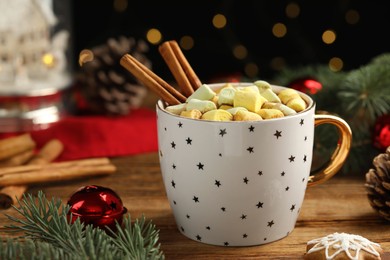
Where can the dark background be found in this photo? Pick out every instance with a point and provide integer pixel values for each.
(249, 23)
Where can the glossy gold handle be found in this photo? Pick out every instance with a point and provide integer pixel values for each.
(341, 151)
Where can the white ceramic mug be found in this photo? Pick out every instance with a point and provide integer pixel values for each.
(242, 183)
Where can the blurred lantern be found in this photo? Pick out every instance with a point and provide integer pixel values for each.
(35, 62)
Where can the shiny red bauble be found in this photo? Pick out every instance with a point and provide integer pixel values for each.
(306, 85)
(381, 133)
(96, 205)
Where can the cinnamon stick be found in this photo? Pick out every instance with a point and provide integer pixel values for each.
(18, 159)
(166, 92)
(61, 171)
(49, 152)
(181, 69)
(14, 145)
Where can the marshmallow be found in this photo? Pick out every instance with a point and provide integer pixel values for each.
(234, 110)
(268, 113)
(204, 92)
(217, 115)
(242, 115)
(291, 98)
(194, 113)
(226, 95)
(249, 99)
(201, 105)
(225, 107)
(285, 109)
(176, 109)
(266, 91)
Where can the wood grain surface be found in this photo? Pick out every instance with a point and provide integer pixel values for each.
(339, 205)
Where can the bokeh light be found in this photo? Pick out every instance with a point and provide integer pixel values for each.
(336, 64)
(279, 30)
(154, 36)
(219, 21)
(329, 36)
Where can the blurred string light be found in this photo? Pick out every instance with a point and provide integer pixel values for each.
(352, 16)
(292, 10)
(48, 60)
(279, 30)
(335, 64)
(120, 5)
(329, 36)
(153, 36)
(219, 21)
(186, 42)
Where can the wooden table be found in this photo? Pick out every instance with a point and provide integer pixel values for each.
(339, 205)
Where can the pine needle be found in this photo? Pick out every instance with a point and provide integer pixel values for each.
(48, 234)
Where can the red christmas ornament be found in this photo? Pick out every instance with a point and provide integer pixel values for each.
(306, 85)
(381, 133)
(96, 205)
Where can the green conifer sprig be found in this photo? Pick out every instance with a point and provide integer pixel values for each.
(48, 234)
(358, 96)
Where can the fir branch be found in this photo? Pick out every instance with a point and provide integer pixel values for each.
(48, 234)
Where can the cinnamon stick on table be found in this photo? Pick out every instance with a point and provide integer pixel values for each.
(181, 69)
(60, 171)
(14, 145)
(165, 91)
(49, 152)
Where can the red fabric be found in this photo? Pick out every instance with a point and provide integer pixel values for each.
(102, 136)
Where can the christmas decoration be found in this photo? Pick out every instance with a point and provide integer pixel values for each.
(96, 205)
(48, 234)
(306, 85)
(107, 87)
(358, 96)
(378, 184)
(381, 134)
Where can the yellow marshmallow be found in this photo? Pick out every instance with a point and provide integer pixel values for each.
(243, 115)
(194, 113)
(217, 115)
(234, 110)
(249, 99)
(285, 109)
(225, 107)
(298, 104)
(268, 113)
(226, 96)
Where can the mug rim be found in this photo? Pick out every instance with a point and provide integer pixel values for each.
(311, 104)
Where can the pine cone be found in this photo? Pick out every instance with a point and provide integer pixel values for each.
(106, 86)
(378, 184)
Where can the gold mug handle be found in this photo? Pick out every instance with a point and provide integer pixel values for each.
(340, 153)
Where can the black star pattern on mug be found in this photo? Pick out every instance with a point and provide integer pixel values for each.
(243, 216)
(196, 199)
(199, 238)
(304, 158)
(302, 122)
(226, 243)
(223, 209)
(250, 149)
(161, 154)
(244, 235)
(217, 183)
(282, 173)
(303, 179)
(174, 166)
(251, 128)
(270, 223)
(220, 154)
(200, 166)
(278, 134)
(182, 229)
(222, 132)
(188, 216)
(189, 141)
(260, 173)
(305, 138)
(208, 228)
(245, 180)
(292, 207)
(291, 158)
(287, 188)
(174, 202)
(259, 204)
(173, 145)
(173, 184)
(180, 124)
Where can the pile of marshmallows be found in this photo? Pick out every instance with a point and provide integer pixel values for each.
(239, 103)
